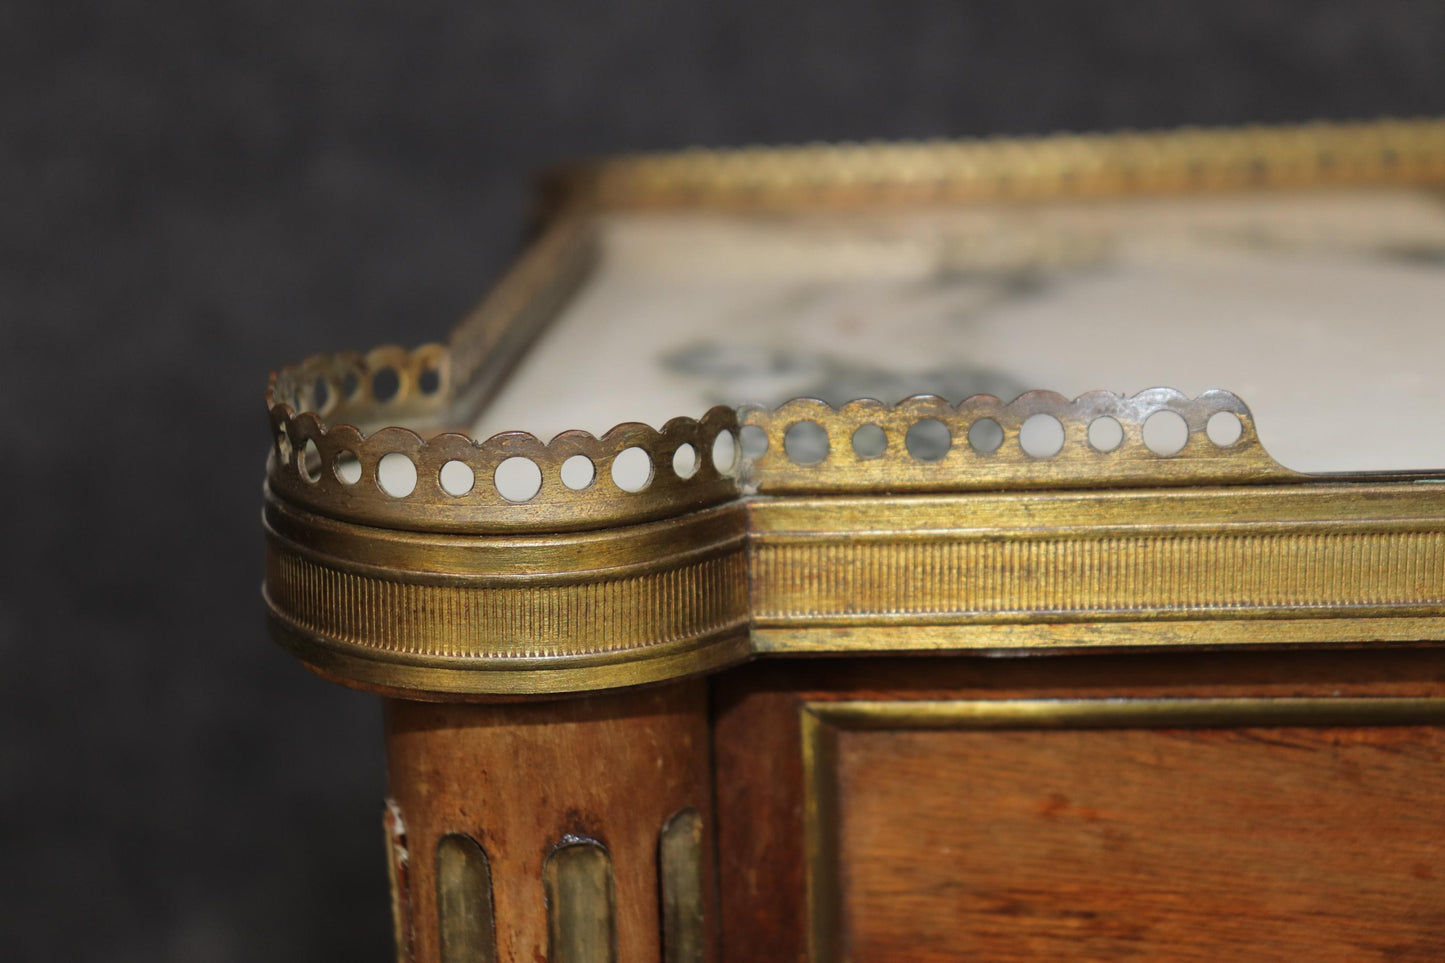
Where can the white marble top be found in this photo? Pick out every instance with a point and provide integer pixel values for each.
(1325, 311)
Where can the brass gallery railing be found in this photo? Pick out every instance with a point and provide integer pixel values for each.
(740, 543)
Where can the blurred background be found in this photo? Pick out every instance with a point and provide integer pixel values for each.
(192, 194)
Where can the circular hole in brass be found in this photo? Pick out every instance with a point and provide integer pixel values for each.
(985, 435)
(684, 461)
(928, 440)
(320, 394)
(347, 468)
(396, 474)
(806, 442)
(309, 462)
(870, 441)
(632, 470)
(724, 452)
(456, 478)
(385, 384)
(517, 479)
(1166, 433)
(1041, 436)
(1105, 434)
(577, 472)
(1224, 428)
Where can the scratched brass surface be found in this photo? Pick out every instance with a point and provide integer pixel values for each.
(439, 595)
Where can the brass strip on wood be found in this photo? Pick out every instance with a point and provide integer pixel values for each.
(581, 904)
(679, 858)
(465, 921)
(820, 820)
(822, 721)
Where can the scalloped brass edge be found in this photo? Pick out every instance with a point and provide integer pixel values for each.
(436, 386)
(967, 465)
(308, 467)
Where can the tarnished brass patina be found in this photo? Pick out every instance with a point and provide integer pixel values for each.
(436, 594)
(398, 562)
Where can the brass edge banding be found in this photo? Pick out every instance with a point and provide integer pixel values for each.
(847, 176)
(458, 680)
(1317, 564)
(1087, 579)
(1183, 713)
(504, 559)
(1040, 637)
(821, 721)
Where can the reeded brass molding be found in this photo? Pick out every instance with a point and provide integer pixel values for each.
(821, 721)
(442, 616)
(435, 616)
(1319, 551)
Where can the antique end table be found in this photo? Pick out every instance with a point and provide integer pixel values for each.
(991, 673)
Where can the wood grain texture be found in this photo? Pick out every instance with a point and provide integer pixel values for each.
(1260, 844)
(924, 797)
(761, 858)
(523, 778)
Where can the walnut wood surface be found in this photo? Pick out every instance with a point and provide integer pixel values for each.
(522, 778)
(1320, 843)
(1278, 844)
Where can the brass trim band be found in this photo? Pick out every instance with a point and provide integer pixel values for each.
(840, 176)
(433, 615)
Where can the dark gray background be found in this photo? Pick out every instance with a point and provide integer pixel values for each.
(195, 192)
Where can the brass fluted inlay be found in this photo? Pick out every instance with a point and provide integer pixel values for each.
(581, 904)
(679, 860)
(466, 926)
(982, 578)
